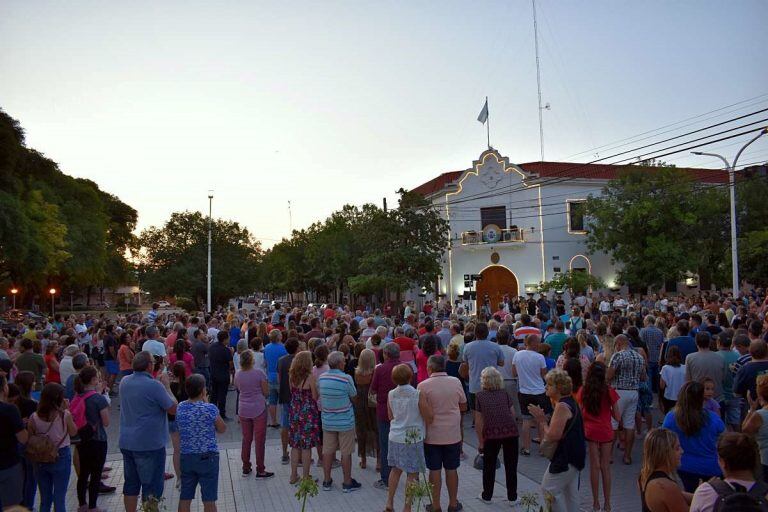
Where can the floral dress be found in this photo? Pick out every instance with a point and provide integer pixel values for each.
(304, 430)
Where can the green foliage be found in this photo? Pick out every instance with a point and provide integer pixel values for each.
(363, 251)
(174, 258)
(307, 488)
(753, 262)
(55, 229)
(572, 281)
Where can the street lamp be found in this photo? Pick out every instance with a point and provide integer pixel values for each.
(52, 291)
(14, 291)
(731, 168)
(210, 212)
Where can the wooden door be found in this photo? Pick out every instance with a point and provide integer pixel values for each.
(497, 281)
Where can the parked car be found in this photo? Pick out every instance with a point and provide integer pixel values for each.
(163, 304)
(264, 303)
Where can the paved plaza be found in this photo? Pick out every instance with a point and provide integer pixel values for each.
(276, 494)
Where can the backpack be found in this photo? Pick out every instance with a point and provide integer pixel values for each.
(736, 498)
(39, 446)
(85, 430)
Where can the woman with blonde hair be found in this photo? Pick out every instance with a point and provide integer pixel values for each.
(659, 490)
(365, 415)
(304, 414)
(609, 348)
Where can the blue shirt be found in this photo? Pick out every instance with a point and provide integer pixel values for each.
(686, 344)
(234, 337)
(143, 419)
(336, 389)
(197, 427)
(273, 352)
(700, 450)
(479, 354)
(69, 387)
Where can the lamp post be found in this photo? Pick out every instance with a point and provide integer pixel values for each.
(53, 301)
(14, 291)
(210, 212)
(71, 301)
(731, 168)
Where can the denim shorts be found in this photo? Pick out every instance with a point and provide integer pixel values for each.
(439, 456)
(143, 471)
(203, 469)
(274, 393)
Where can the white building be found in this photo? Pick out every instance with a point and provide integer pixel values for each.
(518, 225)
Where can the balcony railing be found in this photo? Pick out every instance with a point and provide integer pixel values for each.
(511, 235)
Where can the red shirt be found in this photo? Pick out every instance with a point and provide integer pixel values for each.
(329, 313)
(598, 428)
(405, 343)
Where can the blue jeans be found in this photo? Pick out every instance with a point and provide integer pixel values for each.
(143, 471)
(203, 469)
(30, 484)
(653, 376)
(52, 480)
(384, 449)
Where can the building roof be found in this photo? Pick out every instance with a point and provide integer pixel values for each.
(573, 170)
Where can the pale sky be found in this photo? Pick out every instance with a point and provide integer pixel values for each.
(327, 103)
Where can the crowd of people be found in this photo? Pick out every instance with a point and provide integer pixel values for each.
(577, 380)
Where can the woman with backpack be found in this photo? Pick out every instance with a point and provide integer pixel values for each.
(48, 447)
(739, 489)
(90, 412)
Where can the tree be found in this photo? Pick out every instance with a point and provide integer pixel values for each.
(174, 258)
(650, 221)
(573, 282)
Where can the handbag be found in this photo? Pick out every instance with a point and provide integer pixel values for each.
(548, 448)
(40, 448)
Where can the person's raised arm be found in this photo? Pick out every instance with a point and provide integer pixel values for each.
(553, 431)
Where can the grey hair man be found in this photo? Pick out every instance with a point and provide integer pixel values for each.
(336, 390)
(153, 345)
(625, 371)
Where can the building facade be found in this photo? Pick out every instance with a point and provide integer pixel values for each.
(514, 226)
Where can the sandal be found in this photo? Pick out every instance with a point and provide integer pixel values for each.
(294, 481)
(525, 453)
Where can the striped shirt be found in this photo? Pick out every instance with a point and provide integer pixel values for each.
(522, 332)
(336, 390)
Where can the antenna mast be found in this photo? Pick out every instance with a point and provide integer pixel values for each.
(538, 79)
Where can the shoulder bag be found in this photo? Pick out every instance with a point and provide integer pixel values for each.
(40, 448)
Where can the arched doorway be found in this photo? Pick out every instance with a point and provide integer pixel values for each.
(497, 281)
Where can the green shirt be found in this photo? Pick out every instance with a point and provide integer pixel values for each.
(730, 357)
(31, 362)
(556, 340)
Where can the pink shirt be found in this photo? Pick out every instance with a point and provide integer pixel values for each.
(188, 360)
(252, 400)
(444, 394)
(56, 431)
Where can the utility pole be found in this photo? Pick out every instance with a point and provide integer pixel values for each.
(210, 226)
(385, 205)
(538, 79)
(290, 217)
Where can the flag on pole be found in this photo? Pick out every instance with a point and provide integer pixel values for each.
(483, 117)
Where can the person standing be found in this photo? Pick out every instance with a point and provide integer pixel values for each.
(304, 415)
(530, 367)
(200, 348)
(706, 364)
(198, 423)
(12, 432)
(272, 354)
(92, 449)
(381, 385)
(479, 354)
(653, 339)
(442, 445)
(145, 403)
(220, 356)
(625, 371)
(497, 430)
(336, 390)
(566, 428)
(54, 421)
(284, 396)
(365, 416)
(251, 382)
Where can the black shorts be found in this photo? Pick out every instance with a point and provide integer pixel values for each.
(540, 400)
(439, 456)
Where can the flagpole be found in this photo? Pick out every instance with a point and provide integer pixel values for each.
(488, 124)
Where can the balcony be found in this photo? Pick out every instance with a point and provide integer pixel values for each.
(492, 236)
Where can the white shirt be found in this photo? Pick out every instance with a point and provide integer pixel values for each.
(154, 347)
(528, 364)
(509, 356)
(705, 497)
(605, 306)
(65, 368)
(674, 378)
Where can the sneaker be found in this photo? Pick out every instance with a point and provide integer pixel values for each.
(266, 474)
(480, 497)
(328, 486)
(380, 484)
(106, 489)
(285, 460)
(247, 472)
(354, 485)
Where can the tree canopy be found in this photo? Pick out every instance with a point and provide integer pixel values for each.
(661, 225)
(56, 230)
(362, 251)
(174, 259)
